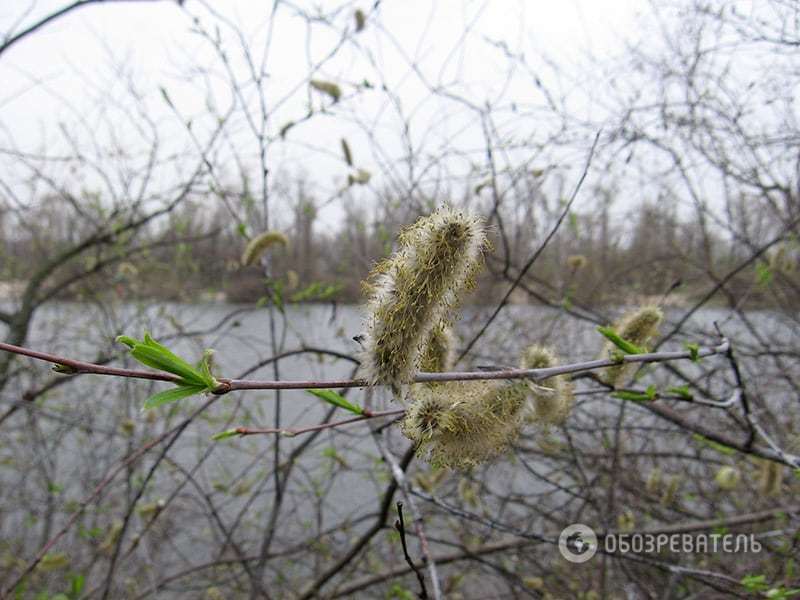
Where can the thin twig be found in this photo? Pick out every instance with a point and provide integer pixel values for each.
(400, 525)
(230, 385)
(536, 254)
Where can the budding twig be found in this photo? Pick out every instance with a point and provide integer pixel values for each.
(231, 385)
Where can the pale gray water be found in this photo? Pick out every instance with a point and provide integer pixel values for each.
(79, 433)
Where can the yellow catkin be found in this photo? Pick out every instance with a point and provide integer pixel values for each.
(727, 478)
(327, 87)
(653, 483)
(534, 583)
(638, 327)
(577, 262)
(53, 561)
(770, 478)
(671, 489)
(415, 290)
(361, 19)
(468, 492)
(626, 521)
(553, 407)
(439, 354)
(258, 245)
(292, 280)
(461, 424)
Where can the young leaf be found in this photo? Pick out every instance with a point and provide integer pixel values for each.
(721, 448)
(152, 354)
(76, 584)
(205, 368)
(173, 394)
(332, 397)
(621, 343)
(157, 359)
(694, 350)
(633, 396)
(223, 435)
(682, 391)
(127, 340)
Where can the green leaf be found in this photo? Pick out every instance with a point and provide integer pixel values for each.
(157, 356)
(633, 396)
(76, 585)
(682, 391)
(621, 343)
(336, 399)
(157, 359)
(763, 274)
(176, 361)
(173, 394)
(694, 351)
(223, 435)
(205, 368)
(721, 448)
(755, 583)
(127, 340)
(651, 392)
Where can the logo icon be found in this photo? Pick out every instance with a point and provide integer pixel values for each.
(577, 543)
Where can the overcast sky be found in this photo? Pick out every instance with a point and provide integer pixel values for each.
(103, 61)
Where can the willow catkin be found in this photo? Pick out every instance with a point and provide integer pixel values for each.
(638, 327)
(553, 401)
(439, 353)
(258, 245)
(671, 489)
(770, 478)
(653, 483)
(727, 478)
(576, 262)
(415, 290)
(461, 424)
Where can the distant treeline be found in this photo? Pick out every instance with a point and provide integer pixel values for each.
(597, 257)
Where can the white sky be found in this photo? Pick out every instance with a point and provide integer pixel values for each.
(69, 77)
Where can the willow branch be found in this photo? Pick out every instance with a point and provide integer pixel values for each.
(76, 367)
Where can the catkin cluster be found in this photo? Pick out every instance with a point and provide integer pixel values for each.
(458, 424)
(461, 424)
(415, 290)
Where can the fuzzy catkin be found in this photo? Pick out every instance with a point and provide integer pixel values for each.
(259, 244)
(770, 478)
(415, 289)
(439, 354)
(639, 328)
(553, 407)
(461, 424)
(653, 483)
(727, 478)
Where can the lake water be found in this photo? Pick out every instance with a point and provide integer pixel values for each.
(52, 456)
